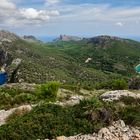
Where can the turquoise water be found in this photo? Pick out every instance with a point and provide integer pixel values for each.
(138, 68)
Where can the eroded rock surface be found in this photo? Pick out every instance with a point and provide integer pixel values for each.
(117, 131)
(117, 94)
(5, 113)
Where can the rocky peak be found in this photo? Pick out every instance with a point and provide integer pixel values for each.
(30, 38)
(6, 36)
(68, 38)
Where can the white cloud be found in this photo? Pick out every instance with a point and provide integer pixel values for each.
(52, 2)
(73, 17)
(11, 15)
(119, 24)
(101, 13)
(6, 4)
(35, 14)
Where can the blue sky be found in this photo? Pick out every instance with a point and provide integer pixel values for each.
(73, 17)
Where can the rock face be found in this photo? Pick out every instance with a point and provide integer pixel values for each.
(5, 58)
(73, 100)
(68, 38)
(7, 61)
(117, 131)
(117, 94)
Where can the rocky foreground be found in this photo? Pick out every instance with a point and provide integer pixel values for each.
(117, 131)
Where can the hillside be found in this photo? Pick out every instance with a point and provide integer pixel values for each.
(109, 54)
(83, 62)
(40, 63)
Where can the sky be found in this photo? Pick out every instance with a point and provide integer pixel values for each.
(71, 17)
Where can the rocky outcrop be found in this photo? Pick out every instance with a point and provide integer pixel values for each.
(6, 36)
(13, 70)
(117, 94)
(117, 131)
(5, 58)
(4, 114)
(73, 100)
(8, 62)
(68, 38)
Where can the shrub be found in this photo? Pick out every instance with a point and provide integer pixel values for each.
(17, 113)
(119, 84)
(11, 90)
(71, 87)
(5, 100)
(24, 98)
(131, 115)
(49, 121)
(127, 100)
(48, 90)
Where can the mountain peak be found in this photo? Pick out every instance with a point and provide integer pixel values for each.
(68, 38)
(7, 36)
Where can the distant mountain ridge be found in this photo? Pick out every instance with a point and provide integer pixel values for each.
(30, 38)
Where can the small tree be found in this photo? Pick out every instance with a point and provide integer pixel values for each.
(49, 90)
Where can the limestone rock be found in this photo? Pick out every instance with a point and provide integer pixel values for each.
(117, 94)
(113, 132)
(5, 113)
(60, 138)
(6, 36)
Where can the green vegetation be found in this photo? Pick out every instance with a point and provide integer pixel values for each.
(111, 67)
(65, 61)
(49, 121)
(17, 113)
(12, 97)
(118, 84)
(48, 91)
(131, 112)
